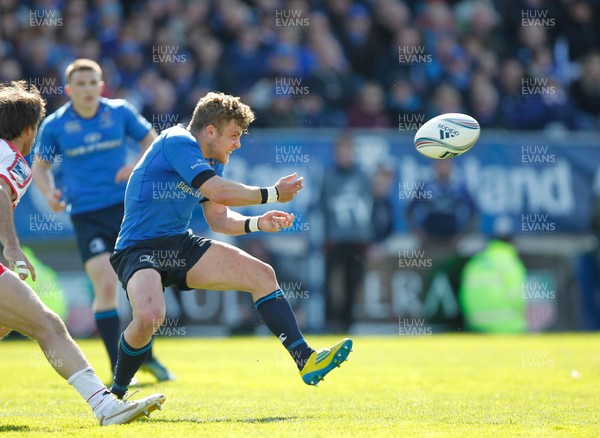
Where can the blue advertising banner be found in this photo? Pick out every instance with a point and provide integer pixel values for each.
(544, 183)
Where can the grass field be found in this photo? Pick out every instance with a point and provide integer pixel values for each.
(442, 385)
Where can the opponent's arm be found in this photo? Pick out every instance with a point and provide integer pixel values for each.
(234, 194)
(8, 235)
(225, 221)
(44, 180)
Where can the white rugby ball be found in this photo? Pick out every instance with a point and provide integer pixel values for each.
(447, 136)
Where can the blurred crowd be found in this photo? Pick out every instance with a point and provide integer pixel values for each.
(519, 64)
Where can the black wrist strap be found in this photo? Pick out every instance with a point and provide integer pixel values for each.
(264, 193)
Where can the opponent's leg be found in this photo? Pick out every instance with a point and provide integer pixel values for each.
(104, 281)
(225, 267)
(148, 308)
(22, 310)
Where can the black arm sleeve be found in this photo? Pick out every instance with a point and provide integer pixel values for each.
(202, 177)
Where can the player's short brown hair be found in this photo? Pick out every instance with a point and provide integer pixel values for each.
(218, 109)
(21, 106)
(82, 64)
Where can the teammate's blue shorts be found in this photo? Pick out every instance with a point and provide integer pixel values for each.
(96, 231)
(171, 256)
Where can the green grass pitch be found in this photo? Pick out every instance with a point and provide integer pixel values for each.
(440, 385)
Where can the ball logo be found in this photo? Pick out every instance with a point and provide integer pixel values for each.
(447, 132)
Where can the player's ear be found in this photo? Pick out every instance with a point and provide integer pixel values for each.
(68, 89)
(101, 84)
(210, 130)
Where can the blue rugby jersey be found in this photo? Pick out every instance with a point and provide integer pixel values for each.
(91, 151)
(160, 198)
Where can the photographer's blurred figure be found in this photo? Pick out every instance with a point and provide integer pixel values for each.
(347, 204)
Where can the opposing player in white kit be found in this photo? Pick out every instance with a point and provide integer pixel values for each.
(21, 111)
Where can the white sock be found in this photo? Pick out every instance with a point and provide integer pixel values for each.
(89, 386)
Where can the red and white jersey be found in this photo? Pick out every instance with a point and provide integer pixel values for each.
(15, 170)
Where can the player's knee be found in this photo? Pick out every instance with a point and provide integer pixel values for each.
(266, 272)
(105, 290)
(150, 319)
(265, 276)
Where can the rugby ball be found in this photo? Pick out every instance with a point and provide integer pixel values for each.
(447, 136)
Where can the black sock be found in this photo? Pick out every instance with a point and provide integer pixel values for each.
(278, 315)
(150, 356)
(130, 360)
(108, 322)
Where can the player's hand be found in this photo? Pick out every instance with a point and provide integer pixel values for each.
(54, 201)
(288, 187)
(273, 221)
(15, 257)
(124, 172)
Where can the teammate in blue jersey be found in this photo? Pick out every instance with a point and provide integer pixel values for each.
(154, 250)
(87, 138)
(21, 111)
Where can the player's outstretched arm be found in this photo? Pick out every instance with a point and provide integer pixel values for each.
(44, 180)
(234, 194)
(225, 221)
(8, 235)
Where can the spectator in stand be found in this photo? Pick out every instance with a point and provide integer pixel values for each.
(445, 99)
(586, 90)
(347, 42)
(282, 112)
(484, 102)
(361, 41)
(249, 55)
(332, 77)
(369, 108)
(519, 111)
(403, 100)
(581, 27)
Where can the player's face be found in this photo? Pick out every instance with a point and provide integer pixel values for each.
(84, 89)
(221, 145)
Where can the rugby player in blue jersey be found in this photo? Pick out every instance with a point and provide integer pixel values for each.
(87, 138)
(155, 249)
(21, 111)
